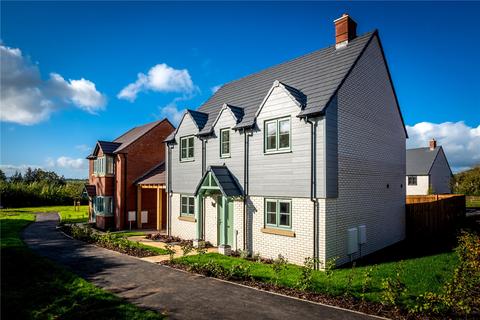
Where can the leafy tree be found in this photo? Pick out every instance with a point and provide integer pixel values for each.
(467, 182)
(3, 177)
(16, 177)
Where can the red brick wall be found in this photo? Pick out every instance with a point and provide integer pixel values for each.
(142, 155)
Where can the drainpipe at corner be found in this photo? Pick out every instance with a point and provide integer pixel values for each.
(313, 183)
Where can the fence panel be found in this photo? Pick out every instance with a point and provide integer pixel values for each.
(433, 217)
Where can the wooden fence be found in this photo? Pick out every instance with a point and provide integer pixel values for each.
(433, 217)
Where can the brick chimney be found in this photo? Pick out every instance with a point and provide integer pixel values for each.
(345, 30)
(433, 144)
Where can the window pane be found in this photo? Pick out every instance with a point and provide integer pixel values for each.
(183, 143)
(271, 135)
(272, 218)
(191, 201)
(184, 201)
(190, 152)
(225, 147)
(183, 153)
(284, 133)
(271, 143)
(284, 207)
(284, 220)
(271, 128)
(272, 206)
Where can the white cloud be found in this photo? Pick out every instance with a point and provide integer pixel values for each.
(215, 88)
(83, 147)
(460, 142)
(67, 162)
(10, 169)
(160, 78)
(27, 99)
(172, 112)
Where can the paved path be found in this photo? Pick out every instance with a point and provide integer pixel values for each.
(181, 295)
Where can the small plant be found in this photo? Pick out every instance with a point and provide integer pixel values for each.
(256, 257)
(171, 250)
(239, 272)
(279, 264)
(201, 249)
(367, 282)
(306, 277)
(243, 254)
(350, 279)
(187, 247)
(394, 288)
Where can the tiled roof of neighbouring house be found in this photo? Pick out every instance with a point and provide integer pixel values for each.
(155, 175)
(419, 161)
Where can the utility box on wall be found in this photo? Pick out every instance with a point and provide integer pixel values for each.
(362, 234)
(352, 238)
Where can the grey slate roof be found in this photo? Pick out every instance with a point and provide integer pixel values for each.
(155, 175)
(108, 147)
(419, 161)
(227, 183)
(316, 75)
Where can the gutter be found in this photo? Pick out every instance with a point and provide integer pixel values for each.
(313, 184)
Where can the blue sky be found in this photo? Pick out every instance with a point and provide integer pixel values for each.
(432, 51)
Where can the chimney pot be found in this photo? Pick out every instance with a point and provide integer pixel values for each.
(345, 30)
(433, 144)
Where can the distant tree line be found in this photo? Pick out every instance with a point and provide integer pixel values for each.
(467, 182)
(37, 187)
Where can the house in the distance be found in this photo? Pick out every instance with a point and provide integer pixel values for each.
(303, 159)
(126, 179)
(428, 171)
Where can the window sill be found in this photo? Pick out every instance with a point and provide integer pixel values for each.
(187, 160)
(280, 232)
(225, 156)
(277, 152)
(185, 218)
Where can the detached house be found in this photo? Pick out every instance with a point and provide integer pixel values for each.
(127, 179)
(303, 159)
(428, 170)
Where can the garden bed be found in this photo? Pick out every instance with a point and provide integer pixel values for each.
(112, 241)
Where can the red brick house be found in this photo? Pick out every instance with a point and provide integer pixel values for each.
(126, 179)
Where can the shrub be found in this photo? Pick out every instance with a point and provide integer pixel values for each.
(239, 272)
(394, 288)
(187, 247)
(279, 264)
(171, 250)
(306, 277)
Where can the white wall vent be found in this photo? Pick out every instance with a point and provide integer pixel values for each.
(144, 216)
(131, 215)
(352, 239)
(362, 234)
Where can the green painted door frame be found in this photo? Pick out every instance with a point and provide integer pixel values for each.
(225, 221)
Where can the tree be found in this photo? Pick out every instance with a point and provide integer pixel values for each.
(467, 182)
(3, 177)
(16, 177)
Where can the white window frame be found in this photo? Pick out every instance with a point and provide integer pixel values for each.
(189, 206)
(222, 154)
(415, 178)
(277, 148)
(277, 202)
(187, 146)
(102, 166)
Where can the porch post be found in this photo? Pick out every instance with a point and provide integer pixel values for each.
(224, 248)
(139, 207)
(159, 208)
(198, 217)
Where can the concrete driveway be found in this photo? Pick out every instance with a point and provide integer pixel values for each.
(181, 295)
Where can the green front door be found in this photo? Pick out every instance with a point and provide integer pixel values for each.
(225, 221)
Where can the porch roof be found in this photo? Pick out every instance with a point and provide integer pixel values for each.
(91, 190)
(155, 175)
(227, 183)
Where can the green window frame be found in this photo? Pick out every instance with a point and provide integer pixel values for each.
(277, 135)
(225, 143)
(187, 205)
(103, 205)
(187, 148)
(278, 213)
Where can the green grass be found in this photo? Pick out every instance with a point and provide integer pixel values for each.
(473, 202)
(35, 288)
(423, 274)
(67, 213)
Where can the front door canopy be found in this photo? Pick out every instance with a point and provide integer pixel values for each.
(220, 178)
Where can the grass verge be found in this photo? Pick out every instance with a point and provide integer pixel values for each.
(34, 288)
(68, 214)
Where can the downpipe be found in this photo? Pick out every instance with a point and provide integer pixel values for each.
(313, 186)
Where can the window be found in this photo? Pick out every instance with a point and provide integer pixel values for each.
(103, 205)
(277, 135)
(225, 143)
(187, 206)
(412, 180)
(278, 213)
(186, 148)
(103, 165)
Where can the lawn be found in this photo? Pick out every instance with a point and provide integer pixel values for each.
(473, 202)
(68, 214)
(422, 274)
(34, 288)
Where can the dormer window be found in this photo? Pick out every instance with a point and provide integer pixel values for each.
(277, 135)
(225, 143)
(187, 148)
